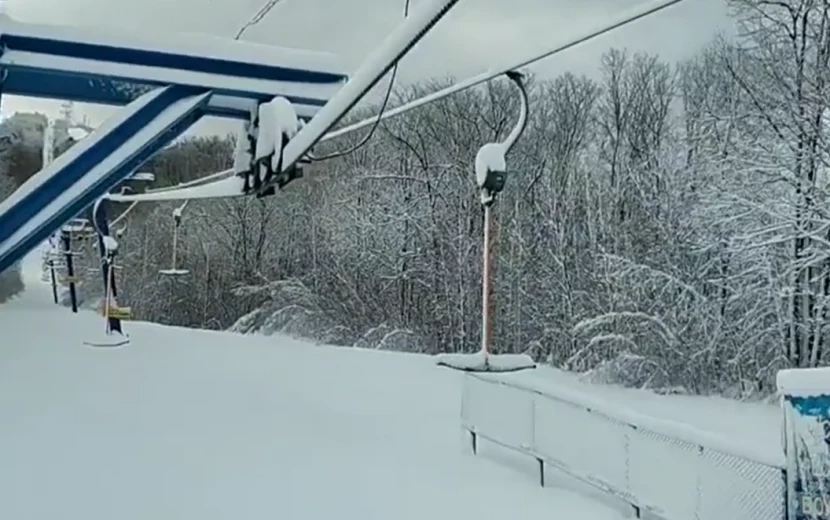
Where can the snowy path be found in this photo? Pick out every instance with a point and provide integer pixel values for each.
(190, 424)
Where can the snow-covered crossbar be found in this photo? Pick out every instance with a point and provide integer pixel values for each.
(657, 466)
(94, 65)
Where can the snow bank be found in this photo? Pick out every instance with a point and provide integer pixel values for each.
(617, 411)
(804, 382)
(385, 337)
(759, 425)
(626, 453)
(290, 308)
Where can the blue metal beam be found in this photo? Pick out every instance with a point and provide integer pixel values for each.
(120, 91)
(72, 166)
(111, 155)
(170, 59)
(87, 65)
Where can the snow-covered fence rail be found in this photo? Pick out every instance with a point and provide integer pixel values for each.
(657, 466)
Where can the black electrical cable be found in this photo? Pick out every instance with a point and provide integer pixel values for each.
(264, 10)
(380, 113)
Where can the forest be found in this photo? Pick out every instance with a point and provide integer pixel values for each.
(665, 225)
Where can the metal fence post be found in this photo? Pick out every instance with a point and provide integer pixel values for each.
(634, 508)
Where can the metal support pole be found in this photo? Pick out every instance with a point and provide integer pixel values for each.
(101, 224)
(486, 318)
(54, 281)
(70, 269)
(175, 242)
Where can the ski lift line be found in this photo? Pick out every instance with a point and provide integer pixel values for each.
(317, 129)
(405, 36)
(637, 13)
(491, 175)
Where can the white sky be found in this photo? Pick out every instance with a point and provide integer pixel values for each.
(473, 36)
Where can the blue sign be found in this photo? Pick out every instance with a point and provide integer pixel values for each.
(808, 456)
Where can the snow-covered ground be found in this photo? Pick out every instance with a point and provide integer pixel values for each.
(186, 424)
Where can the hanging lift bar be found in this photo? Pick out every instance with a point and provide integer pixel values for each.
(174, 270)
(491, 176)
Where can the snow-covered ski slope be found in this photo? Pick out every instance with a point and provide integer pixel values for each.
(186, 424)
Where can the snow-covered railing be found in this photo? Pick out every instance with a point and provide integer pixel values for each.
(657, 466)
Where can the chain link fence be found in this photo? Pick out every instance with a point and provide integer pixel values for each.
(657, 468)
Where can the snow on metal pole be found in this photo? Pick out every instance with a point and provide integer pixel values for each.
(562, 44)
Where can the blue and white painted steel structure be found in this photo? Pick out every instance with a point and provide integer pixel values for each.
(90, 169)
(165, 85)
(95, 66)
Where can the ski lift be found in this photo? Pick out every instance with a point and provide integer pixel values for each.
(491, 173)
(177, 221)
(109, 308)
(113, 336)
